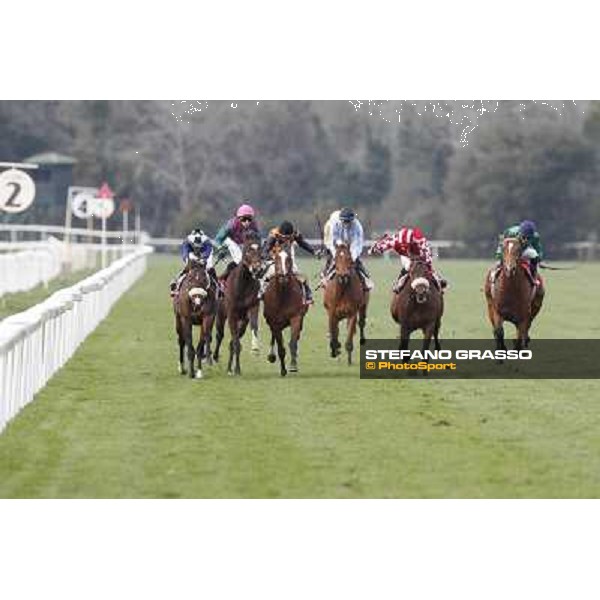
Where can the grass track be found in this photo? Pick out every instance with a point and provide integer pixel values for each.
(118, 421)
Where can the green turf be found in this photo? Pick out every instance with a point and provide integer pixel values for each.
(118, 421)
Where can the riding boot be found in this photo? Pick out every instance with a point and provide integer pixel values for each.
(439, 281)
(533, 266)
(399, 283)
(328, 271)
(367, 282)
(175, 283)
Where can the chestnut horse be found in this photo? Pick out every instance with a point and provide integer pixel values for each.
(511, 295)
(418, 305)
(345, 298)
(284, 306)
(195, 304)
(238, 301)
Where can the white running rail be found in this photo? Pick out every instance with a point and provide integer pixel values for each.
(24, 265)
(23, 270)
(36, 343)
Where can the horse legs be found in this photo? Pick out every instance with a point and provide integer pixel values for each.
(271, 356)
(220, 327)
(362, 319)
(436, 333)
(295, 330)
(498, 326)
(281, 351)
(234, 344)
(181, 343)
(351, 329)
(253, 314)
(237, 328)
(189, 342)
(404, 337)
(522, 340)
(207, 328)
(334, 343)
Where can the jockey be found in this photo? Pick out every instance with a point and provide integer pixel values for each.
(196, 245)
(410, 244)
(343, 226)
(232, 234)
(532, 247)
(286, 232)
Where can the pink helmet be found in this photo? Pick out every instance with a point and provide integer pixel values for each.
(245, 210)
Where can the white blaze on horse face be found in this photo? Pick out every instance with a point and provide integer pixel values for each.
(283, 256)
(509, 247)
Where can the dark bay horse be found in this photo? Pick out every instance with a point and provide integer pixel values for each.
(284, 306)
(512, 295)
(418, 305)
(345, 298)
(239, 300)
(195, 304)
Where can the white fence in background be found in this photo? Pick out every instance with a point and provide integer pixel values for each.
(36, 343)
(24, 265)
(23, 270)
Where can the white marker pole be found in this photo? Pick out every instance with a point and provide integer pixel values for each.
(103, 239)
(67, 235)
(125, 226)
(138, 225)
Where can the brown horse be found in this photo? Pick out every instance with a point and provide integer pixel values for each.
(345, 298)
(418, 305)
(238, 301)
(195, 304)
(284, 306)
(512, 295)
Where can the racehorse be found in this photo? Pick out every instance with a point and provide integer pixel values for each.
(512, 295)
(284, 306)
(240, 297)
(345, 298)
(418, 305)
(195, 304)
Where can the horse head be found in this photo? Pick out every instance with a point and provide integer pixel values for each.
(251, 256)
(343, 263)
(511, 253)
(282, 257)
(197, 283)
(419, 281)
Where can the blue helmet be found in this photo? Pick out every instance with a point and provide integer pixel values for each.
(527, 228)
(347, 215)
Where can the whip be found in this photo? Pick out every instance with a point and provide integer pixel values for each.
(543, 266)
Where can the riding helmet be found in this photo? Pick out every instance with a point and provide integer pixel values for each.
(417, 234)
(527, 228)
(245, 210)
(286, 228)
(347, 215)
